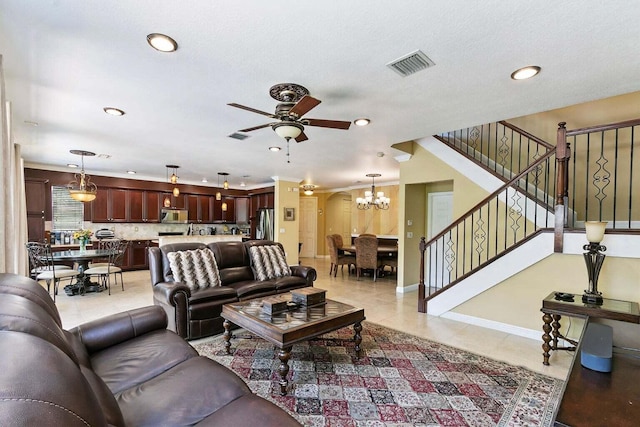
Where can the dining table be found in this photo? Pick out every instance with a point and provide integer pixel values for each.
(82, 258)
(384, 251)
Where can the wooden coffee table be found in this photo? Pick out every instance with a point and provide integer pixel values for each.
(295, 325)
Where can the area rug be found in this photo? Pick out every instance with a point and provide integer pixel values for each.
(399, 380)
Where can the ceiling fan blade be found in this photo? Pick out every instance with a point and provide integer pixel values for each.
(335, 124)
(301, 137)
(306, 104)
(253, 110)
(255, 127)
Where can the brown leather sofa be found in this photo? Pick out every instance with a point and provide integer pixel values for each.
(196, 314)
(122, 370)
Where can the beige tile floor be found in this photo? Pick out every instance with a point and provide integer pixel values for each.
(382, 306)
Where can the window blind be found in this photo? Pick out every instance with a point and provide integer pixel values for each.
(68, 214)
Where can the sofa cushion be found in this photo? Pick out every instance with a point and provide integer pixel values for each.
(199, 387)
(196, 268)
(269, 262)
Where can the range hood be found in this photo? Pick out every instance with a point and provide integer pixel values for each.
(174, 216)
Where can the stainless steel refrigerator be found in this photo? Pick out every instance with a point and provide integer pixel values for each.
(264, 228)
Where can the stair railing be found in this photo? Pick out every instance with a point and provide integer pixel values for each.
(493, 227)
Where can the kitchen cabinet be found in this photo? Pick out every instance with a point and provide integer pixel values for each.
(136, 256)
(144, 206)
(228, 216)
(110, 205)
(200, 208)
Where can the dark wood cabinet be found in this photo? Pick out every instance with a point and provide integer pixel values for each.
(110, 205)
(200, 208)
(225, 217)
(151, 207)
(36, 196)
(136, 256)
(136, 205)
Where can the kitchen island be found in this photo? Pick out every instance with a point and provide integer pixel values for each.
(206, 238)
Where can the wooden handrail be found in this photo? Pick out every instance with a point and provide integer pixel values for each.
(527, 134)
(599, 128)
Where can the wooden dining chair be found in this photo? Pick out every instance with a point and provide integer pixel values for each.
(337, 259)
(43, 268)
(367, 255)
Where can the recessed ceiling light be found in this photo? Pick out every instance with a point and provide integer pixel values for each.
(361, 122)
(113, 111)
(162, 43)
(242, 184)
(72, 165)
(274, 148)
(131, 172)
(525, 72)
(204, 180)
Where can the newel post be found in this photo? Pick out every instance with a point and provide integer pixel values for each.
(422, 303)
(562, 186)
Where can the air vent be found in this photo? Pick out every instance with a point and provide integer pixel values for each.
(239, 136)
(411, 63)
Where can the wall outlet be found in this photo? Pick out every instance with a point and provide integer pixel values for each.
(409, 234)
(135, 228)
(354, 230)
(282, 231)
(409, 222)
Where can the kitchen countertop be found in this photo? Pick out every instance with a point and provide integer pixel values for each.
(206, 238)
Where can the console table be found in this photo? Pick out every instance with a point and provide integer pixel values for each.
(554, 309)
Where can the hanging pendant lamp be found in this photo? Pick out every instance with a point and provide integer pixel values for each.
(81, 188)
(173, 179)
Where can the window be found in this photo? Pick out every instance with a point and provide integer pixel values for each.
(68, 214)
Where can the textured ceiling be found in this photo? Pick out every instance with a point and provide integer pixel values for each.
(65, 60)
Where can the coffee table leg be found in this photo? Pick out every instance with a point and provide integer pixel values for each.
(227, 335)
(546, 338)
(357, 338)
(284, 355)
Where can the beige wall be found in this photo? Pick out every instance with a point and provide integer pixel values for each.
(517, 300)
(376, 221)
(286, 232)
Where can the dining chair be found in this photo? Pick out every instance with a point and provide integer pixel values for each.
(43, 268)
(117, 249)
(367, 255)
(339, 243)
(338, 259)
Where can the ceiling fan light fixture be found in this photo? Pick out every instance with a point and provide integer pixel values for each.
(525, 72)
(288, 130)
(361, 122)
(162, 42)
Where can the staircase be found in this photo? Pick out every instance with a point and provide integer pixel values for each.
(546, 191)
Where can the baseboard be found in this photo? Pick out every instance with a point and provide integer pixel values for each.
(406, 289)
(497, 326)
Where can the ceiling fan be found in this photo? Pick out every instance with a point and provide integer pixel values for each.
(295, 102)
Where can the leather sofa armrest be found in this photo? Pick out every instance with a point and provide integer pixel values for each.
(307, 272)
(111, 330)
(166, 292)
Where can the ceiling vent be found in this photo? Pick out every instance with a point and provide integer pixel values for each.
(411, 63)
(239, 136)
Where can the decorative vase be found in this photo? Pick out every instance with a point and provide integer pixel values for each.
(83, 245)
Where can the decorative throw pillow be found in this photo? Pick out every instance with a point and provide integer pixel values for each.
(196, 268)
(269, 262)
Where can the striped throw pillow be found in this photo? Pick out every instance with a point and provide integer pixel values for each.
(269, 262)
(196, 268)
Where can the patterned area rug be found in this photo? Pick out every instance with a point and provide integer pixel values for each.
(399, 380)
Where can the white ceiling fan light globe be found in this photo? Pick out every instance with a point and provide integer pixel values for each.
(288, 130)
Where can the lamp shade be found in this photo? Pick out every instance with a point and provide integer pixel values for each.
(595, 231)
(288, 130)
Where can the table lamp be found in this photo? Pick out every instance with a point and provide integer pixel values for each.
(594, 259)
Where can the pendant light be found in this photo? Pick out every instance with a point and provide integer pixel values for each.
(373, 199)
(225, 185)
(173, 179)
(81, 188)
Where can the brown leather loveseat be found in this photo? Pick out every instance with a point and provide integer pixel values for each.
(122, 370)
(196, 314)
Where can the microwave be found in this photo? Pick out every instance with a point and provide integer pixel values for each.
(174, 216)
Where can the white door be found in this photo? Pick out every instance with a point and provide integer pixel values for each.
(308, 226)
(439, 215)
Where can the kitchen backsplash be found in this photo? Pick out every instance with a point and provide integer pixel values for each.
(151, 231)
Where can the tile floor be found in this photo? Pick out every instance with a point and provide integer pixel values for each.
(381, 303)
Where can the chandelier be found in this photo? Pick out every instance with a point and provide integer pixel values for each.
(379, 202)
(173, 179)
(81, 188)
